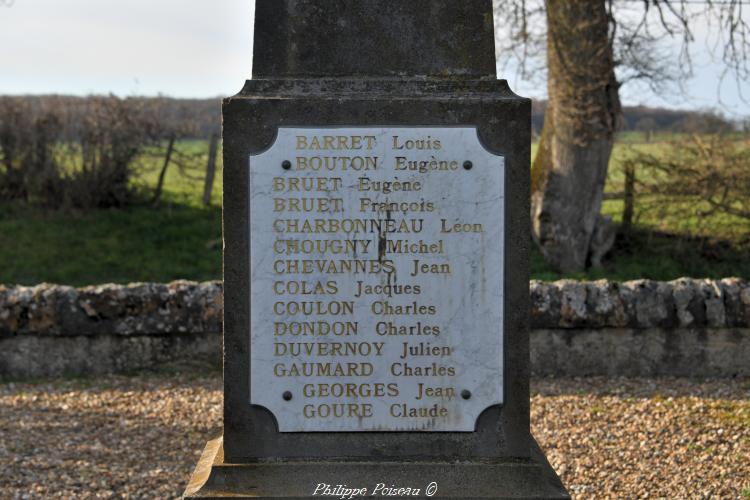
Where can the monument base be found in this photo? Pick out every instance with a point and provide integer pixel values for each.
(213, 478)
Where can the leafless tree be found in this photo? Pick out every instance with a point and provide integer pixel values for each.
(589, 49)
(80, 153)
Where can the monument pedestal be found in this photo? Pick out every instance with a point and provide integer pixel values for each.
(522, 478)
(376, 261)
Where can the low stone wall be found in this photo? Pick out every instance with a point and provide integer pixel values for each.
(51, 330)
(684, 327)
(638, 328)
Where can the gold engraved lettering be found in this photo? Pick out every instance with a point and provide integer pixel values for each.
(297, 349)
(420, 268)
(425, 166)
(307, 205)
(306, 184)
(331, 163)
(402, 410)
(387, 187)
(306, 266)
(349, 390)
(388, 290)
(383, 307)
(433, 370)
(388, 328)
(405, 207)
(332, 308)
(338, 410)
(323, 369)
(420, 144)
(321, 247)
(305, 288)
(316, 328)
(337, 142)
(348, 226)
(445, 227)
(424, 391)
(425, 349)
(412, 247)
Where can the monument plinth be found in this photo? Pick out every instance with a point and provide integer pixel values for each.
(376, 246)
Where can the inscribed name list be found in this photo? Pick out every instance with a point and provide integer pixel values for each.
(376, 279)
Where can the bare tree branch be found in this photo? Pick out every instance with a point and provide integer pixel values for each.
(643, 34)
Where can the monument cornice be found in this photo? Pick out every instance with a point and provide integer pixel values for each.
(396, 88)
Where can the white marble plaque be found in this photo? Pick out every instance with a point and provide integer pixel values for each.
(376, 261)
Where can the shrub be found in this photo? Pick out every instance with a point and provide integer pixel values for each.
(107, 139)
(77, 154)
(698, 179)
(28, 166)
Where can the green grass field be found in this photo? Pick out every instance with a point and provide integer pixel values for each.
(181, 239)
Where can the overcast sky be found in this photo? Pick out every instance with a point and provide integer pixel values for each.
(191, 48)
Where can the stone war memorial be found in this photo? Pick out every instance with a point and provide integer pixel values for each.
(376, 261)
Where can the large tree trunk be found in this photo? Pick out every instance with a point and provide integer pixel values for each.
(570, 167)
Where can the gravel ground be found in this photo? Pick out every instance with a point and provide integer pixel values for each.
(140, 436)
(646, 438)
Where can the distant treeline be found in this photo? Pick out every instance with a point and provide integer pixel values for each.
(646, 119)
(61, 151)
(200, 118)
(191, 118)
